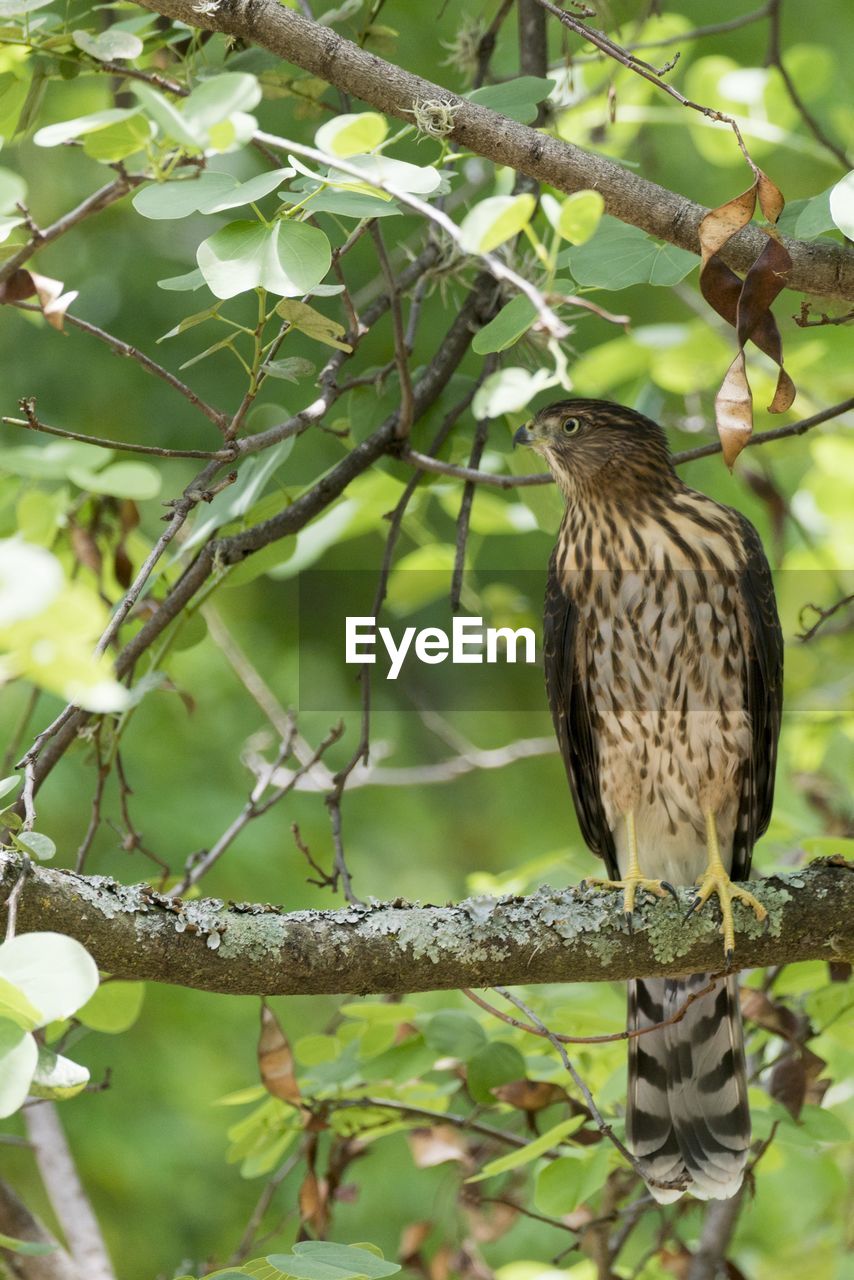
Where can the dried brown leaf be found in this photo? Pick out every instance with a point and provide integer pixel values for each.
(720, 224)
(436, 1145)
(530, 1095)
(758, 1007)
(85, 548)
(788, 1083)
(275, 1060)
(734, 410)
(771, 200)
(412, 1238)
(314, 1203)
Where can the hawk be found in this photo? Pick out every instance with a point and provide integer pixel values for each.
(663, 657)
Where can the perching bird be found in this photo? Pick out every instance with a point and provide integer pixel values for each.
(664, 657)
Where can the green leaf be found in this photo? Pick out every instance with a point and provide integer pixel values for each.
(619, 256)
(54, 135)
(15, 1007)
(312, 1051)
(7, 226)
(513, 320)
(350, 135)
(218, 98)
(517, 99)
(452, 1033)
(57, 1077)
(137, 480)
(345, 204)
(13, 8)
(495, 220)
(288, 259)
(118, 141)
(509, 391)
(579, 216)
(37, 845)
(186, 283)
(18, 1057)
(52, 461)
(413, 178)
(532, 1151)
(169, 120)
(248, 192)
(842, 205)
(566, 1183)
(113, 1008)
(313, 324)
(495, 1064)
(55, 974)
(30, 1248)
(13, 190)
(108, 45)
(182, 196)
(289, 369)
(8, 785)
(323, 1260)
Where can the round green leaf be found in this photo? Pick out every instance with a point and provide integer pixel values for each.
(513, 320)
(18, 1057)
(108, 45)
(54, 135)
(13, 8)
(495, 220)
(30, 580)
(7, 785)
(219, 97)
(183, 196)
(15, 1007)
(580, 215)
(495, 1064)
(136, 480)
(566, 1183)
(288, 259)
(120, 140)
(13, 189)
(454, 1034)
(352, 134)
(842, 205)
(57, 1077)
(113, 1008)
(399, 174)
(618, 256)
(56, 974)
(36, 844)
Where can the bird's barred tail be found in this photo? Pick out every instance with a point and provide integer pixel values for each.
(688, 1121)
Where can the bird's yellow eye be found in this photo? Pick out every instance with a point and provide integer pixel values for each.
(571, 425)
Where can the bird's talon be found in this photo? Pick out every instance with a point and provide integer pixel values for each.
(665, 884)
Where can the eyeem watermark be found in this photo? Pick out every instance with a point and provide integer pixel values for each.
(469, 641)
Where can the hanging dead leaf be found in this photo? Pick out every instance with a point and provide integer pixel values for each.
(54, 303)
(788, 1083)
(314, 1203)
(84, 548)
(746, 305)
(275, 1060)
(530, 1095)
(412, 1238)
(487, 1223)
(758, 1007)
(436, 1145)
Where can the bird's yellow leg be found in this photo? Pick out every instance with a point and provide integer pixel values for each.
(715, 879)
(633, 879)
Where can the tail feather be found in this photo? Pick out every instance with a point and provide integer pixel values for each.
(688, 1120)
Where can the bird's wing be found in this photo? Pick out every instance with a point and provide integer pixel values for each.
(568, 700)
(764, 696)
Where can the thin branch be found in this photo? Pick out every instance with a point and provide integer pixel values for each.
(607, 1039)
(820, 268)
(823, 615)
(719, 1224)
(464, 517)
(775, 59)
(17, 1221)
(401, 350)
(126, 349)
(32, 423)
(567, 935)
(66, 1193)
(612, 50)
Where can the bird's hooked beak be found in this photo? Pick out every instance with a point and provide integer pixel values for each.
(524, 435)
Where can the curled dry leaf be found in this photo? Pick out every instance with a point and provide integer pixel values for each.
(314, 1203)
(746, 305)
(412, 1239)
(275, 1060)
(54, 303)
(436, 1145)
(758, 1007)
(530, 1095)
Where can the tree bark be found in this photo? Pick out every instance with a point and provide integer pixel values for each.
(818, 267)
(567, 935)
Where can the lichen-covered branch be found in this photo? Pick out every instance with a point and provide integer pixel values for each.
(817, 267)
(567, 935)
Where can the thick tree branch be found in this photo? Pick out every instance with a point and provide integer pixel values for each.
(570, 935)
(817, 267)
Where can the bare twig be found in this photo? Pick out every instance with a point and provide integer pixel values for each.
(775, 59)
(823, 615)
(66, 1193)
(401, 350)
(33, 423)
(464, 517)
(605, 1039)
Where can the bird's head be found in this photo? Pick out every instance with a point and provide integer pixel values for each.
(590, 443)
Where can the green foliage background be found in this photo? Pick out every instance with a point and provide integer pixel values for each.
(151, 1147)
